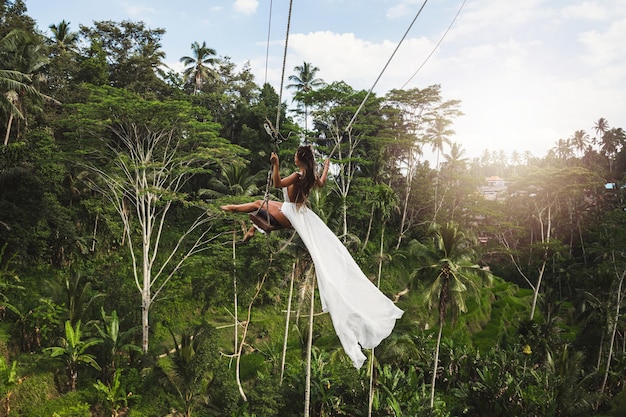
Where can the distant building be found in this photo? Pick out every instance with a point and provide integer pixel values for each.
(494, 188)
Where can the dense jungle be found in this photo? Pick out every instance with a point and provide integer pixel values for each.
(126, 291)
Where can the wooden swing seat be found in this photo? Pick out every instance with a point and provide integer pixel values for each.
(264, 221)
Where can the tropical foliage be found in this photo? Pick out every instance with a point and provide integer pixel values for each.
(125, 290)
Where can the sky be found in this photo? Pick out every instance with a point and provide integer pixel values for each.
(526, 72)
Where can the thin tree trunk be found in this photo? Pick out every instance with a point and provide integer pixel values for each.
(282, 364)
(147, 283)
(237, 347)
(380, 271)
(344, 208)
(370, 402)
(545, 238)
(369, 228)
(307, 388)
(245, 332)
(432, 384)
(235, 336)
(600, 352)
(6, 137)
(618, 302)
(436, 208)
(95, 229)
(537, 286)
(407, 194)
(145, 308)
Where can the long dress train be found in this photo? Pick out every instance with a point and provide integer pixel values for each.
(362, 315)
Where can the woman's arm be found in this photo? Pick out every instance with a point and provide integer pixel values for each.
(322, 178)
(278, 181)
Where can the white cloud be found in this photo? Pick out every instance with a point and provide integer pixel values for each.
(585, 10)
(246, 7)
(138, 12)
(397, 11)
(343, 56)
(604, 48)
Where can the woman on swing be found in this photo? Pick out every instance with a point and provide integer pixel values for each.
(296, 188)
(362, 315)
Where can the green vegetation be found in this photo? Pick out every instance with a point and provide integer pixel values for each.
(125, 290)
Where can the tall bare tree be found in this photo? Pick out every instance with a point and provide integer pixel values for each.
(146, 185)
(151, 153)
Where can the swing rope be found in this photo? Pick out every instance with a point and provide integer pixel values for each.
(436, 46)
(274, 132)
(349, 127)
(267, 47)
(282, 77)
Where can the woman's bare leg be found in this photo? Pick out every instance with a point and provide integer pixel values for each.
(243, 208)
(274, 208)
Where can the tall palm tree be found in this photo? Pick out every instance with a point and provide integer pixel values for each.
(580, 140)
(601, 127)
(438, 136)
(63, 38)
(13, 81)
(447, 259)
(20, 59)
(454, 159)
(199, 67)
(563, 149)
(304, 81)
(613, 141)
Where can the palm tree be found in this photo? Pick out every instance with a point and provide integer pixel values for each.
(13, 81)
(454, 160)
(528, 156)
(199, 66)
(64, 40)
(19, 60)
(601, 127)
(579, 140)
(304, 81)
(234, 180)
(612, 142)
(115, 341)
(562, 149)
(187, 369)
(447, 259)
(438, 135)
(516, 158)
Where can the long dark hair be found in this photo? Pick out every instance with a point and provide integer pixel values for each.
(307, 180)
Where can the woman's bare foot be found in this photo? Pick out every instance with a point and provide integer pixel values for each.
(249, 234)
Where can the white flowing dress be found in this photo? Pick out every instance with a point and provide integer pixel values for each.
(361, 314)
